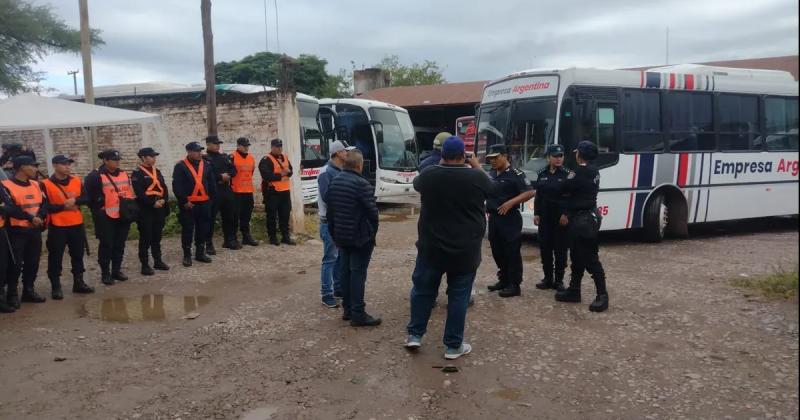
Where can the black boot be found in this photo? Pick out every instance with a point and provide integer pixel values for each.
(510, 291)
(159, 264)
(187, 257)
(248, 240)
(599, 304)
(30, 296)
(12, 298)
(558, 282)
(570, 295)
(274, 241)
(287, 239)
(365, 320)
(106, 278)
(200, 255)
(79, 286)
(55, 289)
(232, 244)
(210, 250)
(5, 308)
(546, 283)
(147, 270)
(497, 286)
(118, 275)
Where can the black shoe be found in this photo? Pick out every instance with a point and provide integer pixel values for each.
(187, 260)
(248, 240)
(338, 295)
(569, 295)
(288, 241)
(210, 250)
(12, 300)
(160, 265)
(57, 293)
(274, 241)
(346, 316)
(6, 308)
(202, 257)
(147, 270)
(545, 284)
(497, 286)
(232, 245)
(31, 296)
(600, 303)
(365, 321)
(119, 276)
(107, 279)
(510, 291)
(78, 286)
(558, 285)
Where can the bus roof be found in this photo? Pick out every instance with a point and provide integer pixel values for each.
(364, 103)
(307, 98)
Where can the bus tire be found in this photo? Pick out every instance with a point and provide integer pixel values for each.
(655, 219)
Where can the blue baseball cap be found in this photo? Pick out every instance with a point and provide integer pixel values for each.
(587, 150)
(453, 146)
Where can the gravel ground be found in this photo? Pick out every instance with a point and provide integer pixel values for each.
(246, 337)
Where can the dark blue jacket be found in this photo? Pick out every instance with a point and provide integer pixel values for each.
(352, 212)
(433, 159)
(183, 182)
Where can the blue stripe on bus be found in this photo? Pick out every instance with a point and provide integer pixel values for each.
(646, 164)
(699, 192)
(637, 210)
(653, 80)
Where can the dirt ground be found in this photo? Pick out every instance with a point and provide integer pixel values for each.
(679, 341)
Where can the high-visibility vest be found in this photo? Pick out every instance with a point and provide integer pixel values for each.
(57, 195)
(155, 188)
(283, 184)
(28, 198)
(245, 166)
(111, 205)
(199, 194)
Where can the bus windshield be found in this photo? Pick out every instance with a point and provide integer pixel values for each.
(313, 146)
(398, 149)
(492, 123)
(532, 128)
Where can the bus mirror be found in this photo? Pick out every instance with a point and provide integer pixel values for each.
(378, 126)
(587, 111)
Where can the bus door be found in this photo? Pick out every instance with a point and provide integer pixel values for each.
(599, 116)
(350, 124)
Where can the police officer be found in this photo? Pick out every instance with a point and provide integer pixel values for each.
(151, 195)
(547, 211)
(194, 186)
(26, 206)
(505, 222)
(583, 223)
(105, 187)
(242, 186)
(65, 195)
(276, 170)
(224, 203)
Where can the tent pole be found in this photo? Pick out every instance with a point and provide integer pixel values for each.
(48, 150)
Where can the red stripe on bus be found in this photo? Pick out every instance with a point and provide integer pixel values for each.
(683, 169)
(672, 80)
(633, 184)
(689, 81)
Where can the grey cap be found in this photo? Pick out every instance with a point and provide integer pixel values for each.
(340, 146)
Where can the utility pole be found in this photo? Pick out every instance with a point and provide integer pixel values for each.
(667, 45)
(266, 28)
(277, 29)
(74, 81)
(208, 54)
(88, 84)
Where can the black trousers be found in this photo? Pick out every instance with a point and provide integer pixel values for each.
(195, 224)
(505, 238)
(279, 207)
(584, 255)
(112, 234)
(58, 240)
(27, 247)
(151, 225)
(244, 212)
(224, 204)
(553, 241)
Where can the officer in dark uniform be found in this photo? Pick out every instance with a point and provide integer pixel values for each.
(547, 211)
(505, 222)
(224, 203)
(583, 223)
(276, 170)
(152, 195)
(194, 186)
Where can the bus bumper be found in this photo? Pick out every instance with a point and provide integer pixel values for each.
(395, 193)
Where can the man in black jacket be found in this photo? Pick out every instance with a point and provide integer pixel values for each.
(151, 194)
(353, 224)
(451, 227)
(224, 203)
(194, 187)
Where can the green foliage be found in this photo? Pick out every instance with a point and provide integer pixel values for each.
(781, 284)
(27, 34)
(427, 73)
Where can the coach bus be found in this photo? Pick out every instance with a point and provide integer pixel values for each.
(678, 145)
(314, 151)
(384, 134)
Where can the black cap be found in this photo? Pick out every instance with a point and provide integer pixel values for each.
(276, 143)
(147, 151)
(496, 150)
(243, 141)
(12, 146)
(109, 154)
(213, 139)
(555, 149)
(23, 160)
(194, 146)
(61, 159)
(587, 150)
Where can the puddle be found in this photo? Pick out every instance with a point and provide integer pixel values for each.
(261, 413)
(510, 394)
(144, 308)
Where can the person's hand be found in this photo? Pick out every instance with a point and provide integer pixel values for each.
(37, 222)
(284, 172)
(159, 204)
(189, 205)
(70, 207)
(70, 202)
(473, 162)
(537, 220)
(226, 178)
(564, 220)
(505, 208)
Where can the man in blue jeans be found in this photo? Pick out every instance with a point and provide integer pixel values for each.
(451, 227)
(330, 283)
(353, 223)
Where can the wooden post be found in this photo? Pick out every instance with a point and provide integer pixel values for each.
(88, 84)
(208, 54)
(289, 132)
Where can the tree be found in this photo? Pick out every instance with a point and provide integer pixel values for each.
(27, 34)
(427, 73)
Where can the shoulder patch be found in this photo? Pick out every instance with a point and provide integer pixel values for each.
(518, 172)
(571, 175)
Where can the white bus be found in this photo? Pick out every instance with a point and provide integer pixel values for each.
(384, 134)
(678, 145)
(314, 151)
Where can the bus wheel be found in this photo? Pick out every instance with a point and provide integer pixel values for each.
(656, 219)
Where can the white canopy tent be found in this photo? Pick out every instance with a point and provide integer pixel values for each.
(33, 112)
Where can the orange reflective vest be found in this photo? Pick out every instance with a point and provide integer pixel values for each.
(155, 187)
(57, 194)
(112, 197)
(277, 167)
(28, 198)
(199, 194)
(245, 166)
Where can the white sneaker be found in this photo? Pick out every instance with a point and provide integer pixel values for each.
(453, 353)
(413, 342)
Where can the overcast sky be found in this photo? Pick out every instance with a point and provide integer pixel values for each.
(148, 40)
